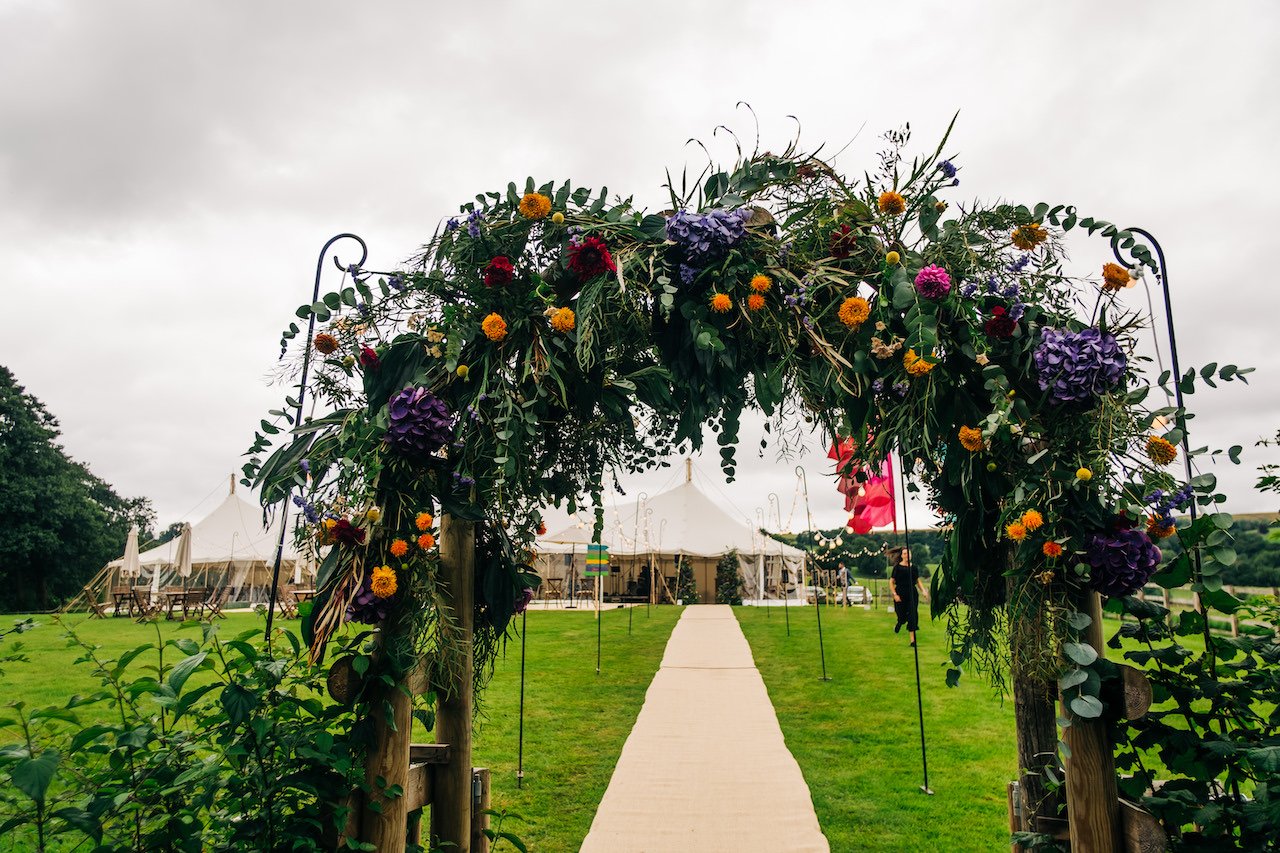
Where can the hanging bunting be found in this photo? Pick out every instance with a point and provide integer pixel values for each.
(597, 561)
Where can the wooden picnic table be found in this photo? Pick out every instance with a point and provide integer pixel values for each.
(304, 594)
(186, 599)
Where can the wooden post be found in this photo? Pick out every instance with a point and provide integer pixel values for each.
(1093, 801)
(1036, 727)
(451, 789)
(1235, 620)
(1164, 597)
(385, 819)
(480, 820)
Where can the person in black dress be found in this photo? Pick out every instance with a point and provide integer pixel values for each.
(907, 589)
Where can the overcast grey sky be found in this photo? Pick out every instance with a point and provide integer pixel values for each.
(168, 170)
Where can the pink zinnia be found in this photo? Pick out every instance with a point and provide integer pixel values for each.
(932, 282)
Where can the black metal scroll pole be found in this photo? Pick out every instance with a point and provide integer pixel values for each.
(302, 393)
(915, 647)
(524, 627)
(1162, 275)
(782, 564)
(817, 605)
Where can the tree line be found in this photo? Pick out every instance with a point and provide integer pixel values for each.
(63, 523)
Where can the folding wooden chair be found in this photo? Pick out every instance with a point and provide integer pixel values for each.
(143, 608)
(97, 609)
(217, 596)
(287, 602)
(122, 598)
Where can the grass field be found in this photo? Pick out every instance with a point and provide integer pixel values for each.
(857, 737)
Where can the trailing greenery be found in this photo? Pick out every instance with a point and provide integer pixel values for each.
(62, 523)
(729, 579)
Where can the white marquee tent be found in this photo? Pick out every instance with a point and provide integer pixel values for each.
(230, 548)
(680, 522)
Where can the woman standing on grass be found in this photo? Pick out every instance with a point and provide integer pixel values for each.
(904, 582)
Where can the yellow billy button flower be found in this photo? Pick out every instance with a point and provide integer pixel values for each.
(892, 259)
(1084, 475)
(462, 371)
(557, 218)
(372, 514)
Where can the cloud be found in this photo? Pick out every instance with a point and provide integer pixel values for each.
(170, 170)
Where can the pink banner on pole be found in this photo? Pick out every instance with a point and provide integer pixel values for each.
(868, 492)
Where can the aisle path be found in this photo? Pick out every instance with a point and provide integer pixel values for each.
(705, 768)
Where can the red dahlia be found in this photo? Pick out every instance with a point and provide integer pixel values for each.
(1000, 325)
(590, 258)
(346, 533)
(843, 241)
(369, 358)
(498, 272)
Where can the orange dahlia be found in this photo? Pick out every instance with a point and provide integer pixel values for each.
(494, 327)
(1115, 277)
(1032, 519)
(1051, 549)
(1161, 451)
(399, 548)
(1016, 531)
(1158, 529)
(892, 203)
(721, 303)
(761, 283)
(1027, 237)
(426, 541)
(562, 320)
(854, 311)
(325, 343)
(755, 302)
(383, 583)
(535, 205)
(423, 521)
(971, 438)
(915, 365)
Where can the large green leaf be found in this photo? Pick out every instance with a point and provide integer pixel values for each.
(32, 775)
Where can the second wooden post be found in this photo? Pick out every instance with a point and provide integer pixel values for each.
(451, 800)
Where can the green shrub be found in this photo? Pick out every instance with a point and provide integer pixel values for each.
(728, 580)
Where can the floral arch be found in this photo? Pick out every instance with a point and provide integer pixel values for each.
(548, 338)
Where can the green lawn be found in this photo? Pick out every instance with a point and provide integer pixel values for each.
(857, 737)
(575, 721)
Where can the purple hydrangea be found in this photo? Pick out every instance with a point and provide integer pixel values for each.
(523, 597)
(1121, 562)
(420, 422)
(933, 282)
(367, 607)
(707, 237)
(1078, 366)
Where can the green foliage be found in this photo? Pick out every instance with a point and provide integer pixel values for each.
(190, 744)
(62, 523)
(729, 579)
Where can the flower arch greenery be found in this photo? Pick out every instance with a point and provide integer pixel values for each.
(549, 338)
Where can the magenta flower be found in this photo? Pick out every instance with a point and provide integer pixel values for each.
(932, 282)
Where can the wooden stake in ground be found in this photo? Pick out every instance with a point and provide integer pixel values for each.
(1093, 803)
(451, 801)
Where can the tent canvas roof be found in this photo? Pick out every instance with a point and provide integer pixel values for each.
(695, 526)
(232, 532)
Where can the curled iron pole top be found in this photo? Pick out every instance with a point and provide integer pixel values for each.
(351, 268)
(1134, 255)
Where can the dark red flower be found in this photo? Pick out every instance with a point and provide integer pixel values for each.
(1000, 325)
(589, 258)
(843, 241)
(369, 358)
(498, 272)
(346, 533)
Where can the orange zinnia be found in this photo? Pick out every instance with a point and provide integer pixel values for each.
(892, 203)
(399, 548)
(1115, 277)
(423, 521)
(426, 541)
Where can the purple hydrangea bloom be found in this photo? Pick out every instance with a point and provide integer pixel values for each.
(420, 422)
(523, 597)
(706, 237)
(367, 607)
(933, 282)
(1078, 366)
(1121, 562)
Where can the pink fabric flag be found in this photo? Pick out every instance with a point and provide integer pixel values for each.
(869, 496)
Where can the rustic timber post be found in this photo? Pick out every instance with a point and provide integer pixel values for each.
(1036, 726)
(384, 820)
(1093, 801)
(451, 782)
